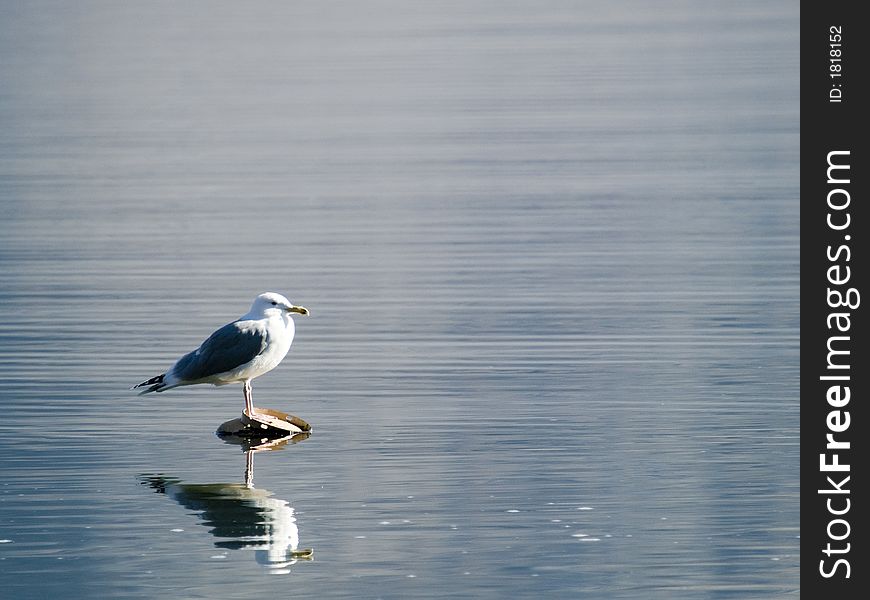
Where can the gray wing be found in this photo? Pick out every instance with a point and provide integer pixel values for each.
(229, 347)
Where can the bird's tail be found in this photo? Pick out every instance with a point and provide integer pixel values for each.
(156, 384)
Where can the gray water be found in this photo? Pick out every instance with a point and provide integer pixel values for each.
(550, 251)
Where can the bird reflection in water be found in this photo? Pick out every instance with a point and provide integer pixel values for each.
(239, 514)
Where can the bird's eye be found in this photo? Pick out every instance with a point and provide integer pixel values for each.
(274, 304)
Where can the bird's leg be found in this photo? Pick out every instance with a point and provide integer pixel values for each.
(249, 400)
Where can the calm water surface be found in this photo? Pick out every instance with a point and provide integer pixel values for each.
(551, 256)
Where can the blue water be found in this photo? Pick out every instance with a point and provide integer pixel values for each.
(551, 257)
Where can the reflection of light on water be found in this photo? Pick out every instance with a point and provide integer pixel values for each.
(281, 540)
(244, 517)
(241, 516)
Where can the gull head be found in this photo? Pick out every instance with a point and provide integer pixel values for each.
(271, 304)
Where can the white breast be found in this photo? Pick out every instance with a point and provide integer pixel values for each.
(279, 335)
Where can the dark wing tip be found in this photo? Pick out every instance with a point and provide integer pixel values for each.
(154, 381)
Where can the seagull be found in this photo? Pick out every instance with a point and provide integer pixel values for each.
(238, 352)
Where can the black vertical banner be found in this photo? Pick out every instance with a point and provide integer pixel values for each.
(835, 223)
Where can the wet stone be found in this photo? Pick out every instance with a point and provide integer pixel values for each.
(265, 422)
